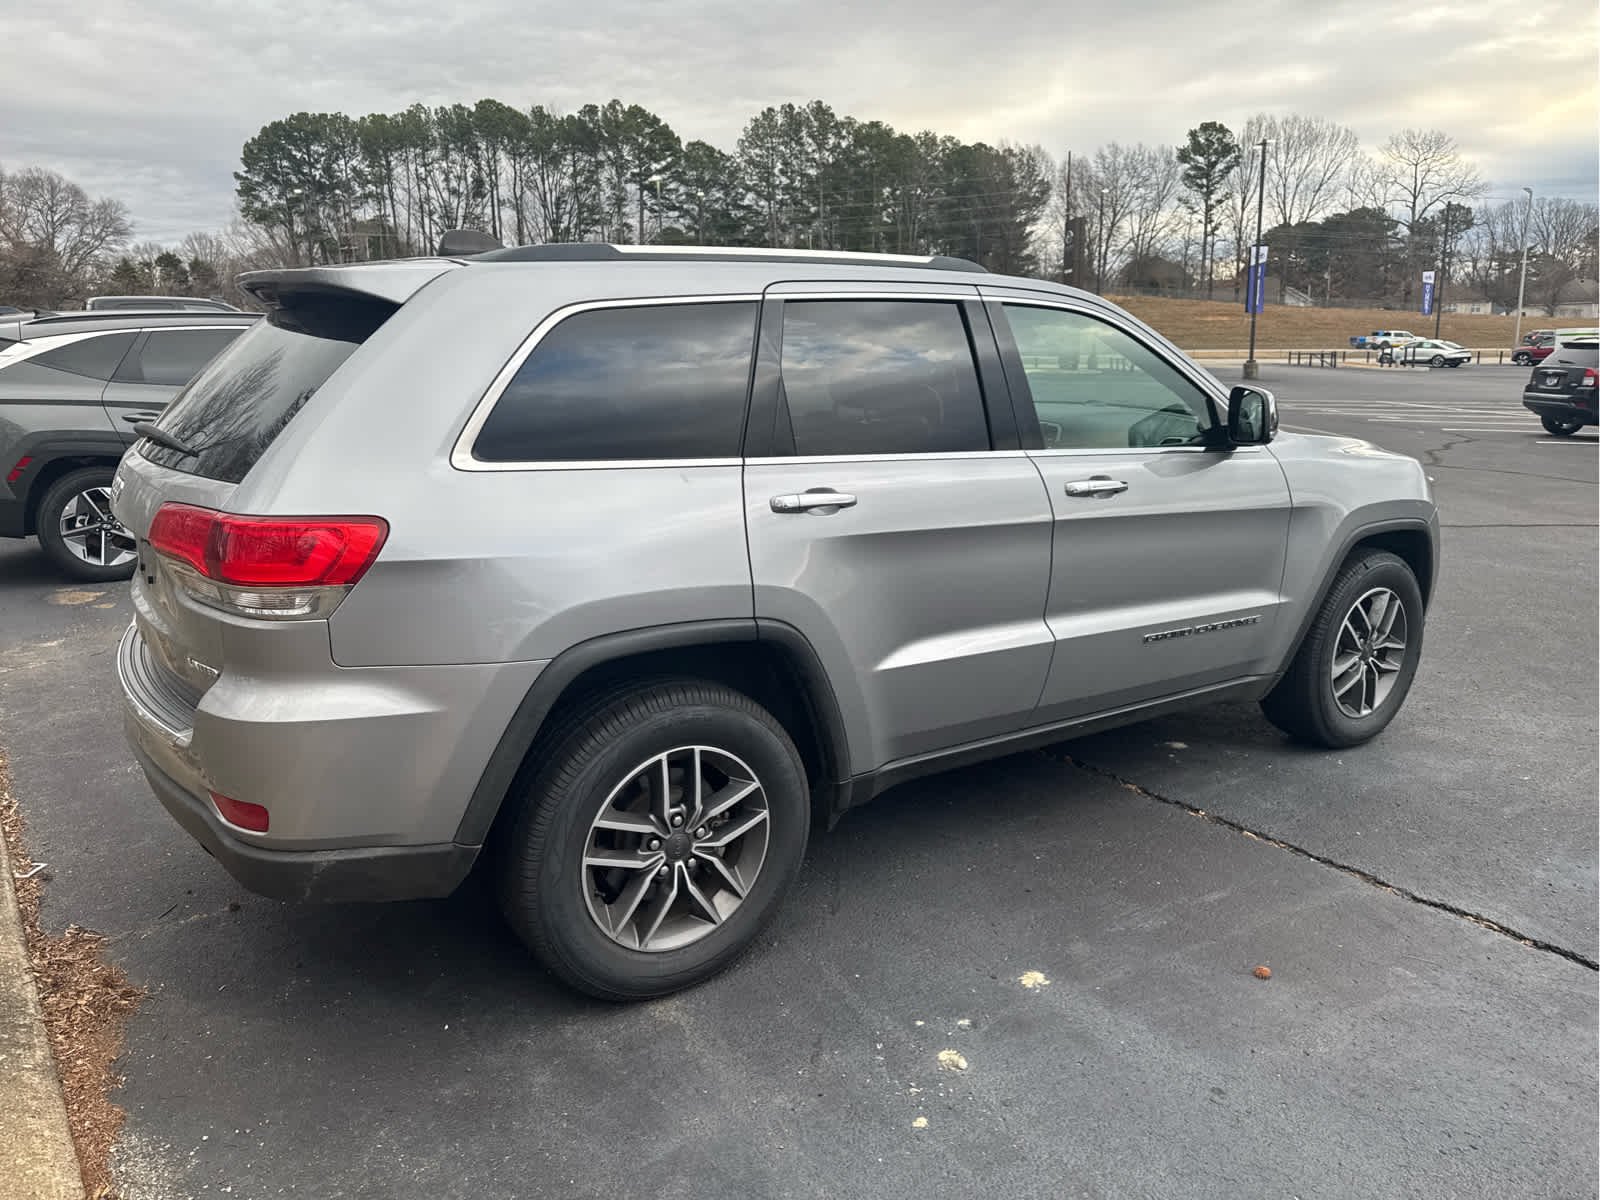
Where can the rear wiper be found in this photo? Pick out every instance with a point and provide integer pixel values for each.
(162, 438)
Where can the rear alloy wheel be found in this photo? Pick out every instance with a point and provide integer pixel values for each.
(1354, 668)
(1436, 361)
(1521, 359)
(657, 839)
(77, 531)
(1560, 428)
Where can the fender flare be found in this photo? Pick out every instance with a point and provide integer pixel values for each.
(523, 729)
(1353, 539)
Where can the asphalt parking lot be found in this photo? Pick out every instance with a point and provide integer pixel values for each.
(1426, 903)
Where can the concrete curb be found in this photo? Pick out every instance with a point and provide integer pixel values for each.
(35, 1140)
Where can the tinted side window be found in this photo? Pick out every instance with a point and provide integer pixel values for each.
(637, 382)
(94, 357)
(880, 377)
(172, 357)
(1096, 387)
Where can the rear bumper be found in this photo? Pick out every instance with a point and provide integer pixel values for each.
(358, 873)
(1563, 408)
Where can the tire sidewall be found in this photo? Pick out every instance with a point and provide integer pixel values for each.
(566, 926)
(1397, 577)
(48, 526)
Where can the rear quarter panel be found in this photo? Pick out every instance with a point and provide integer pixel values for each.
(498, 566)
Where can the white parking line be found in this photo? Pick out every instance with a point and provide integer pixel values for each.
(1568, 442)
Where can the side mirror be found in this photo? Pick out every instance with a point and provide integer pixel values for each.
(1252, 416)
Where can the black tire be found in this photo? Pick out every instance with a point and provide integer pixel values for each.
(1521, 360)
(1556, 427)
(543, 886)
(51, 507)
(1303, 703)
(1436, 361)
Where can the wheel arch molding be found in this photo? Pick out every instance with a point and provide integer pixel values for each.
(770, 661)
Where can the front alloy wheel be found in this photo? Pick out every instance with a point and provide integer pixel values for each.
(1352, 672)
(1368, 653)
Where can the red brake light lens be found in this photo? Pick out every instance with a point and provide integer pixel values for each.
(241, 813)
(269, 551)
(1588, 379)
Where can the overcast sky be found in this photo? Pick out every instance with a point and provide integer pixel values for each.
(150, 100)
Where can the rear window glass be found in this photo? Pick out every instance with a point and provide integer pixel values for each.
(629, 383)
(92, 357)
(242, 400)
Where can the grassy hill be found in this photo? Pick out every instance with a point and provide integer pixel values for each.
(1220, 325)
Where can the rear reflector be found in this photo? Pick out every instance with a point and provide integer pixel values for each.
(241, 813)
(269, 551)
(16, 471)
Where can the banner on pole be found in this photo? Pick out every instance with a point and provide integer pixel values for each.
(1258, 278)
(1427, 293)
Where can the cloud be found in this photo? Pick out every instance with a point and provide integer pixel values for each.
(151, 100)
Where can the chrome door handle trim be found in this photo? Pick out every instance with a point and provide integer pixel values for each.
(795, 502)
(1100, 485)
(135, 418)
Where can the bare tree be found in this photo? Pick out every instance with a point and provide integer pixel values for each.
(1240, 214)
(1156, 177)
(1306, 162)
(1107, 197)
(1565, 232)
(1421, 170)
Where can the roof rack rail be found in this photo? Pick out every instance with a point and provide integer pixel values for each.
(607, 252)
(128, 314)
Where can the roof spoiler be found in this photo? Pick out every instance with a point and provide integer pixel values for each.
(458, 242)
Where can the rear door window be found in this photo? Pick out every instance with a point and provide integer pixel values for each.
(92, 357)
(239, 403)
(172, 357)
(652, 381)
(880, 377)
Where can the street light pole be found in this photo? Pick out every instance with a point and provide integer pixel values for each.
(1522, 282)
(1252, 369)
(1444, 265)
(699, 217)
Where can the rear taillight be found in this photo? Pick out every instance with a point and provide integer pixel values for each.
(16, 472)
(241, 813)
(279, 567)
(1588, 378)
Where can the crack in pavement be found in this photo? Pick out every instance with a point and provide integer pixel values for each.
(1356, 872)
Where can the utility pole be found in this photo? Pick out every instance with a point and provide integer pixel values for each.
(1252, 369)
(1522, 282)
(1444, 261)
(1066, 228)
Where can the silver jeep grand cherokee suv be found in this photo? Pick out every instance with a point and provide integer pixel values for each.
(630, 565)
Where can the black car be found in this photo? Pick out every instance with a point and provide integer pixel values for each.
(1562, 388)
